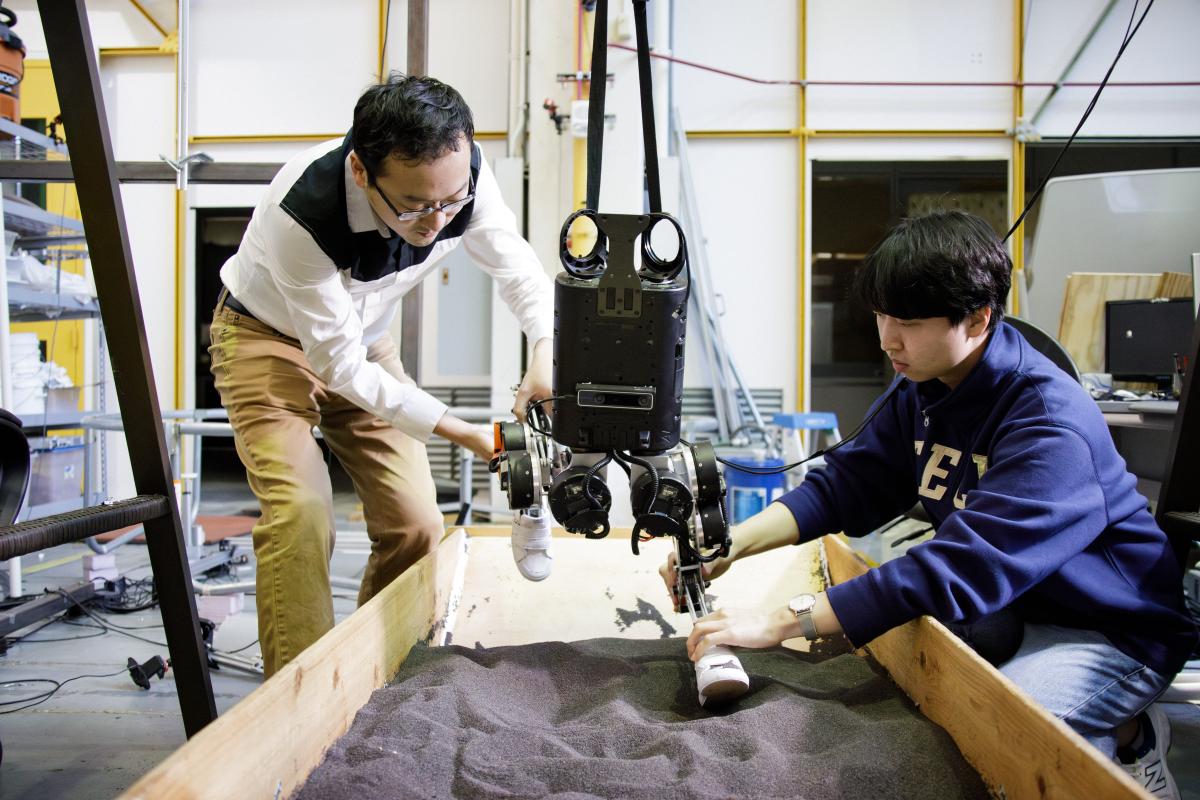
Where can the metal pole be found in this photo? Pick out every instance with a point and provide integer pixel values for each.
(72, 55)
(410, 311)
(1071, 64)
(181, 99)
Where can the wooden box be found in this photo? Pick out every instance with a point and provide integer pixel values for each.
(266, 746)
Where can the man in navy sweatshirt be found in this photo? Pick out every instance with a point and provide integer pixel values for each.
(1036, 515)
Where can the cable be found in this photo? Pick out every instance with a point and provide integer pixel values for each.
(111, 626)
(38, 699)
(537, 404)
(646, 465)
(240, 649)
(907, 84)
(591, 473)
(1129, 34)
(777, 470)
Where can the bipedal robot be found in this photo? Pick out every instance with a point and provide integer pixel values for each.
(619, 330)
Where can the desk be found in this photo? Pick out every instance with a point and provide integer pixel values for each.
(1144, 442)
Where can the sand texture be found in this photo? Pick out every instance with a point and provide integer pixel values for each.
(618, 718)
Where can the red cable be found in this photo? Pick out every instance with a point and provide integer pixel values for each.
(966, 84)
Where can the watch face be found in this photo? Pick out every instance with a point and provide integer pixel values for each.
(802, 603)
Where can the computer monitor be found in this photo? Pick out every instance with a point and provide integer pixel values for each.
(1142, 337)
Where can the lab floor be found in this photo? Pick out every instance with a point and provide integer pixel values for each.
(97, 735)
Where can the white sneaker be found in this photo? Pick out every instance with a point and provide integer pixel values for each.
(531, 543)
(1149, 765)
(720, 677)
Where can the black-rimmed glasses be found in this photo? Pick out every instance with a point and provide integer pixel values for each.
(449, 209)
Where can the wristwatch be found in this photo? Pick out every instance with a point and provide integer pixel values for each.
(802, 606)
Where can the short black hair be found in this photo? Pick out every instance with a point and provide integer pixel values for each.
(410, 118)
(942, 264)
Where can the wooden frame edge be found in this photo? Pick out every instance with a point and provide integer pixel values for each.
(1017, 747)
(284, 727)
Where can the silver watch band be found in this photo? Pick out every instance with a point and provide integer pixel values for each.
(808, 628)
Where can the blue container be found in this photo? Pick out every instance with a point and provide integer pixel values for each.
(747, 493)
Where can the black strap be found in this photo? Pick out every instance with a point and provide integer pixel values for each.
(595, 135)
(649, 141)
(599, 78)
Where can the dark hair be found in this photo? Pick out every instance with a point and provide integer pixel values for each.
(410, 118)
(943, 264)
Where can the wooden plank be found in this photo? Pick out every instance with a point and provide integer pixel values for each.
(1018, 747)
(1175, 284)
(1081, 324)
(267, 744)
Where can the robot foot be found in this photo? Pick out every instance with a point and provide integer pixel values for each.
(531, 544)
(720, 677)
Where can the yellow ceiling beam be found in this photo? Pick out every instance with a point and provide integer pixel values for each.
(149, 18)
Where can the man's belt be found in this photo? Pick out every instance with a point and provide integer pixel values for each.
(232, 304)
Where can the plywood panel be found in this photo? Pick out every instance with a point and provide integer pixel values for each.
(1081, 327)
(599, 588)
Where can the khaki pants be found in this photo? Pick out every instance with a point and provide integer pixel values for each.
(274, 400)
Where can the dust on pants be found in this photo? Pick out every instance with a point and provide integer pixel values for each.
(274, 400)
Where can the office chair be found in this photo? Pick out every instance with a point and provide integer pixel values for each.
(1047, 345)
(14, 467)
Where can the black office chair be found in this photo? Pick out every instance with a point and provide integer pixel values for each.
(1047, 345)
(14, 467)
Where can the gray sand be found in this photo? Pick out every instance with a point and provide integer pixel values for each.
(618, 718)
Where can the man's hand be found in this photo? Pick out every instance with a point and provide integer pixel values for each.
(741, 628)
(710, 571)
(538, 381)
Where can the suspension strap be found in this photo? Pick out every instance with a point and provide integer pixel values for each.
(599, 79)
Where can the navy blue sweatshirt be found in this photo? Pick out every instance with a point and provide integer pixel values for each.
(1032, 505)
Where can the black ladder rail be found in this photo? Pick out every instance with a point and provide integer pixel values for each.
(69, 42)
(1179, 497)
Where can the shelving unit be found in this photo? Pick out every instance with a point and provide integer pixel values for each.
(41, 232)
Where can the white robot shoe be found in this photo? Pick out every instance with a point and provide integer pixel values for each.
(720, 677)
(531, 543)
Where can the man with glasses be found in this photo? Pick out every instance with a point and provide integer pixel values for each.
(300, 339)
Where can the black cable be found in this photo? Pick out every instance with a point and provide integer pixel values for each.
(624, 465)
(777, 470)
(1129, 34)
(240, 649)
(110, 626)
(646, 465)
(537, 404)
(591, 473)
(24, 639)
(38, 699)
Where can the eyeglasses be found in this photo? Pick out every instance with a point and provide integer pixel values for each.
(449, 209)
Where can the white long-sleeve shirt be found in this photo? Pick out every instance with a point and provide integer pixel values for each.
(317, 264)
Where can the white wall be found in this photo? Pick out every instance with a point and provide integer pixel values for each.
(1163, 50)
(268, 68)
(873, 40)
